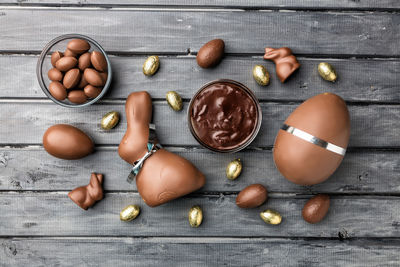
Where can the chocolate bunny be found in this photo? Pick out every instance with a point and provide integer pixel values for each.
(285, 62)
(85, 196)
(163, 176)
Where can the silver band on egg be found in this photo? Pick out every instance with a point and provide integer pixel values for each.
(313, 140)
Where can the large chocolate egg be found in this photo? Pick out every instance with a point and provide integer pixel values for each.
(67, 142)
(313, 140)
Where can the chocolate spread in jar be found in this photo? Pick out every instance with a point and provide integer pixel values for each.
(223, 116)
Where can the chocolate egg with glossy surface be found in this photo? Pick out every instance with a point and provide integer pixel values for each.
(72, 78)
(271, 217)
(55, 57)
(67, 142)
(98, 61)
(312, 141)
(110, 120)
(316, 208)
(151, 65)
(261, 75)
(327, 72)
(233, 169)
(93, 77)
(55, 75)
(129, 213)
(66, 63)
(174, 100)
(252, 196)
(78, 46)
(195, 216)
(84, 61)
(77, 97)
(211, 53)
(92, 91)
(57, 90)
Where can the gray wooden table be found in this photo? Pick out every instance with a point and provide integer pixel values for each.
(40, 226)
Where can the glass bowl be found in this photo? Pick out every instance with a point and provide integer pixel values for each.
(44, 65)
(255, 130)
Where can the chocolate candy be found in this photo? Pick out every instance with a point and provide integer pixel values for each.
(164, 176)
(316, 208)
(313, 140)
(71, 78)
(252, 196)
(73, 68)
(285, 62)
(224, 116)
(86, 196)
(57, 90)
(67, 142)
(211, 53)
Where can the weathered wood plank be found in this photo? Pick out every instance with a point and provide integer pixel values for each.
(34, 169)
(282, 4)
(54, 214)
(183, 31)
(197, 252)
(25, 123)
(183, 74)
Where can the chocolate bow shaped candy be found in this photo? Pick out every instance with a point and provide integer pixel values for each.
(86, 196)
(285, 62)
(163, 176)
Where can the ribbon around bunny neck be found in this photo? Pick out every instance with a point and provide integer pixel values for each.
(152, 147)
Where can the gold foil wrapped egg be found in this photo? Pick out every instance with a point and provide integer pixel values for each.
(327, 72)
(174, 100)
(261, 75)
(271, 217)
(129, 213)
(233, 169)
(110, 120)
(195, 216)
(150, 66)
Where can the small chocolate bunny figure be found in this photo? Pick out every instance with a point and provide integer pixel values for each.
(163, 176)
(85, 196)
(284, 60)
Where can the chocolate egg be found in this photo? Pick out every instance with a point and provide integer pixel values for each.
(67, 142)
(252, 196)
(72, 78)
(233, 169)
(77, 97)
(261, 75)
(313, 140)
(78, 46)
(316, 208)
(151, 65)
(98, 61)
(69, 53)
(327, 72)
(195, 216)
(271, 217)
(55, 57)
(92, 91)
(174, 100)
(55, 75)
(84, 61)
(109, 120)
(57, 90)
(211, 53)
(129, 213)
(66, 63)
(93, 77)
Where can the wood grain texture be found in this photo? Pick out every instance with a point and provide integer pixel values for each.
(34, 169)
(197, 252)
(371, 125)
(281, 4)
(358, 80)
(375, 34)
(54, 214)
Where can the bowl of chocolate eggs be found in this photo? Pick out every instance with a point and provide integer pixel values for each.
(74, 71)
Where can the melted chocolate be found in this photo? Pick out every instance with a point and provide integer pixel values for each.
(223, 116)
